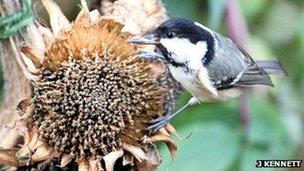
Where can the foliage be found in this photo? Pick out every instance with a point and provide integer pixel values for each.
(220, 141)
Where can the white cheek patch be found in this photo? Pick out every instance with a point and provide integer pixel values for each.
(176, 47)
(184, 51)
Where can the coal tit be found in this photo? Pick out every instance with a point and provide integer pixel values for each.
(208, 65)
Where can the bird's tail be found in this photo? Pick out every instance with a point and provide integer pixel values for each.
(272, 67)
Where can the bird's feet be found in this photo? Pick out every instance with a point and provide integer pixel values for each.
(158, 123)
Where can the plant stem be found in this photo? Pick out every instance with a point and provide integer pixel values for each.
(16, 86)
(238, 32)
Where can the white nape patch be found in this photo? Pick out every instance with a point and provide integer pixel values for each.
(210, 31)
(204, 27)
(183, 51)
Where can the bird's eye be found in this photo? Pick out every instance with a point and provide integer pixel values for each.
(170, 35)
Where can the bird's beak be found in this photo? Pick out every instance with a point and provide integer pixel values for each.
(148, 39)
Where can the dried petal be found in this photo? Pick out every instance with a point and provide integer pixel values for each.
(138, 153)
(8, 157)
(83, 165)
(152, 162)
(31, 144)
(171, 130)
(128, 159)
(42, 153)
(141, 12)
(170, 144)
(96, 165)
(11, 139)
(23, 106)
(36, 38)
(111, 158)
(93, 97)
(84, 6)
(33, 55)
(57, 19)
(47, 35)
(66, 159)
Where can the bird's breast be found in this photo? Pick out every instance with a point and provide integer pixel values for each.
(195, 81)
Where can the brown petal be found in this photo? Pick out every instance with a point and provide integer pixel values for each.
(8, 157)
(83, 165)
(83, 17)
(111, 158)
(23, 105)
(152, 162)
(47, 35)
(31, 143)
(32, 54)
(24, 109)
(164, 132)
(21, 124)
(66, 159)
(43, 153)
(171, 130)
(138, 153)
(141, 11)
(96, 165)
(37, 39)
(150, 6)
(84, 6)
(33, 139)
(128, 159)
(94, 16)
(57, 19)
(11, 139)
(170, 144)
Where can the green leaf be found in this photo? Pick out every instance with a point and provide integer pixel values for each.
(225, 112)
(280, 30)
(184, 9)
(260, 50)
(267, 136)
(301, 30)
(212, 146)
(252, 8)
(265, 122)
(216, 11)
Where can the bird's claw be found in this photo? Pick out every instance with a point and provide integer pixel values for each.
(158, 123)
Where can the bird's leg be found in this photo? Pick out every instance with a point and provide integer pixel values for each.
(150, 55)
(160, 122)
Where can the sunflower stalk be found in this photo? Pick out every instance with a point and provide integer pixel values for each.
(16, 85)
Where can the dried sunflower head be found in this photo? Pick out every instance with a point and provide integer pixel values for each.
(92, 99)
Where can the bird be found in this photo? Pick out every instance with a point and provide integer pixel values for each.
(207, 64)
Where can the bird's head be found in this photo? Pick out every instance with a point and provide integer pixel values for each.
(179, 37)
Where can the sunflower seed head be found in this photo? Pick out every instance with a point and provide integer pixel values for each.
(84, 107)
(92, 99)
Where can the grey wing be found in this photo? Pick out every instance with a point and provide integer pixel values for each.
(232, 66)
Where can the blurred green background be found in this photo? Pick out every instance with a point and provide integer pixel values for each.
(220, 141)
